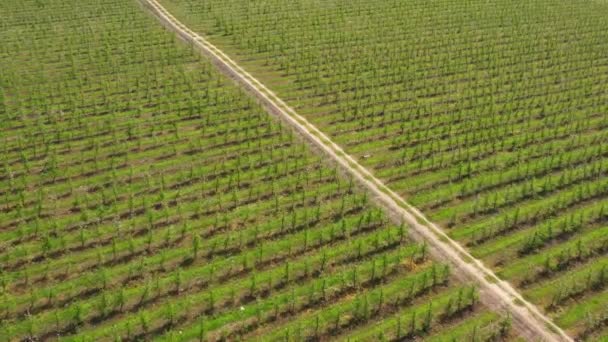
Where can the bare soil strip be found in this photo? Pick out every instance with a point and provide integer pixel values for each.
(496, 294)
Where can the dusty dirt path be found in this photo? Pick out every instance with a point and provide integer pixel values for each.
(496, 294)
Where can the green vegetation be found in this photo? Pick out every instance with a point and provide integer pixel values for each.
(489, 116)
(144, 196)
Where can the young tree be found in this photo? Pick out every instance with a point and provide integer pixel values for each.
(196, 242)
(428, 318)
(412, 331)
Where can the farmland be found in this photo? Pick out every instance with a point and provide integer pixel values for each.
(145, 196)
(489, 116)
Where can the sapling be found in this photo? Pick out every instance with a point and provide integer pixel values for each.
(426, 325)
(307, 272)
(119, 300)
(292, 300)
(149, 239)
(201, 331)
(412, 331)
(473, 335)
(102, 304)
(459, 301)
(32, 299)
(50, 297)
(286, 273)
(177, 280)
(505, 325)
(365, 311)
(196, 242)
(473, 296)
(77, 314)
(401, 233)
(448, 309)
(344, 230)
(144, 321)
(355, 277)
(423, 252)
(102, 276)
(253, 286)
(131, 245)
(434, 276)
(298, 332)
(446, 274)
(170, 313)
(323, 260)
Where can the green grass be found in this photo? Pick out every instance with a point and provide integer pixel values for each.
(489, 116)
(144, 196)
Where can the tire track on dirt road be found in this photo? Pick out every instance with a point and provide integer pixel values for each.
(496, 294)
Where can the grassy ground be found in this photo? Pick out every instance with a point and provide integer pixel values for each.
(490, 116)
(144, 196)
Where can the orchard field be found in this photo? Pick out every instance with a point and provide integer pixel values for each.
(491, 116)
(144, 196)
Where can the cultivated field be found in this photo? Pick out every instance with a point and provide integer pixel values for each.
(489, 116)
(144, 196)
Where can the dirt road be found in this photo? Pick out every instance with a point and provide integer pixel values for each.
(498, 295)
